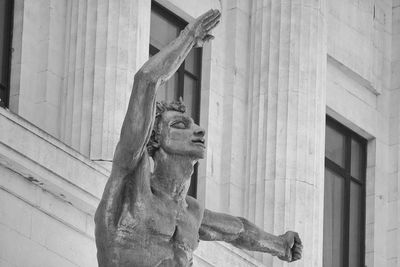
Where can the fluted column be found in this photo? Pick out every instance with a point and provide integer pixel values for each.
(287, 121)
(107, 41)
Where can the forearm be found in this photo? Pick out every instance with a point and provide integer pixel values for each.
(255, 239)
(165, 63)
(240, 233)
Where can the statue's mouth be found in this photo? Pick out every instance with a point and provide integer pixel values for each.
(200, 141)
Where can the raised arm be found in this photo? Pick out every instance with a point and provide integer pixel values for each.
(245, 235)
(138, 123)
(139, 119)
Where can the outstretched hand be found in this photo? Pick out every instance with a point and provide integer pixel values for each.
(201, 27)
(293, 245)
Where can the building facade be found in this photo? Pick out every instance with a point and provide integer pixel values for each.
(300, 100)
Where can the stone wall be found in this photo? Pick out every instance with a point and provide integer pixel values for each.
(359, 95)
(262, 105)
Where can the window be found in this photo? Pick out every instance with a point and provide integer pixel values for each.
(6, 12)
(165, 27)
(344, 203)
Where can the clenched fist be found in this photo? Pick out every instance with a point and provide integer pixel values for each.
(293, 245)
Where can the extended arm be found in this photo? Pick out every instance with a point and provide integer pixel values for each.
(245, 235)
(139, 119)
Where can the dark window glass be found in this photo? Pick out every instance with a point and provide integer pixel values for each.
(6, 16)
(334, 145)
(344, 201)
(355, 159)
(334, 214)
(355, 253)
(165, 27)
(162, 30)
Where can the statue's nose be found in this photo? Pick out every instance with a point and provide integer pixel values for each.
(199, 131)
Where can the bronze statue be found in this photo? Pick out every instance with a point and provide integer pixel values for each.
(147, 219)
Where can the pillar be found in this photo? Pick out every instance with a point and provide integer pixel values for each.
(286, 122)
(107, 42)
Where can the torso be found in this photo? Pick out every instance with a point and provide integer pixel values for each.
(153, 230)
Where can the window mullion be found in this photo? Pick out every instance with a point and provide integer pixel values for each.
(181, 77)
(347, 201)
(363, 202)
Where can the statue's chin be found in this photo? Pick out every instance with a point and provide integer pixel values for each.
(192, 154)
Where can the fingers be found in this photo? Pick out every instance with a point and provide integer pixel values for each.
(297, 240)
(212, 20)
(208, 37)
(297, 249)
(206, 15)
(212, 25)
(297, 252)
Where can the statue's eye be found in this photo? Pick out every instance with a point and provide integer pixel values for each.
(179, 125)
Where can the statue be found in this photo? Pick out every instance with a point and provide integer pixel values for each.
(147, 219)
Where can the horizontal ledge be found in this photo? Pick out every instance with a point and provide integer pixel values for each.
(354, 75)
(50, 164)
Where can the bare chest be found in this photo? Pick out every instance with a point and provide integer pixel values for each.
(162, 225)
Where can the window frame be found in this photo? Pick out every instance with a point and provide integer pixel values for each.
(7, 52)
(181, 24)
(345, 173)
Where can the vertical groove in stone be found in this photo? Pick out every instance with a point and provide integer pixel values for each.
(233, 75)
(64, 93)
(109, 95)
(79, 72)
(287, 108)
(96, 147)
(227, 104)
(106, 42)
(69, 69)
(88, 80)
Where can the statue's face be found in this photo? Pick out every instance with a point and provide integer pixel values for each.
(180, 135)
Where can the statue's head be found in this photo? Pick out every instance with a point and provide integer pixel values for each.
(175, 132)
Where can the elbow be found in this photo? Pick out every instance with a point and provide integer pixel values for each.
(142, 75)
(145, 74)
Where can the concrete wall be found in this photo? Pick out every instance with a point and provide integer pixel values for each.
(360, 95)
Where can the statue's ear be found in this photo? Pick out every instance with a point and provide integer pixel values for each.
(155, 139)
(156, 143)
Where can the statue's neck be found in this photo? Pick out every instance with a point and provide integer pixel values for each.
(172, 174)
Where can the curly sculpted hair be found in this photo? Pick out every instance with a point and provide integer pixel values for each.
(162, 107)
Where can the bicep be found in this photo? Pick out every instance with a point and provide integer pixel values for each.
(138, 123)
(113, 196)
(219, 227)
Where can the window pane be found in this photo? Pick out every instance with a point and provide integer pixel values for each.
(355, 225)
(333, 220)
(3, 29)
(356, 159)
(189, 92)
(334, 146)
(162, 32)
(192, 62)
(169, 90)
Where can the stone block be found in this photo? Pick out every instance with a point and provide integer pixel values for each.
(392, 262)
(15, 213)
(63, 240)
(369, 238)
(20, 251)
(4, 263)
(63, 211)
(391, 244)
(392, 222)
(370, 212)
